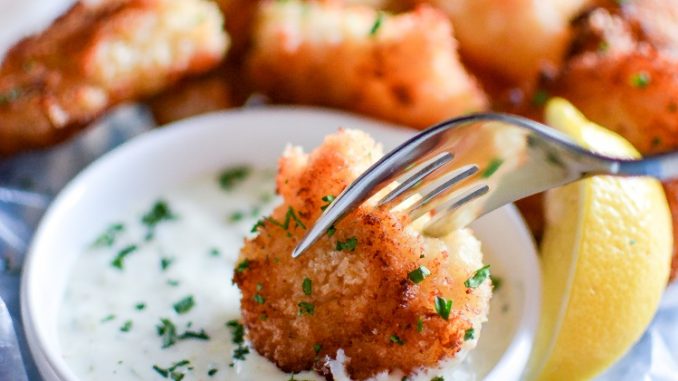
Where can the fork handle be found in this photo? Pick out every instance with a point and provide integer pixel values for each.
(662, 167)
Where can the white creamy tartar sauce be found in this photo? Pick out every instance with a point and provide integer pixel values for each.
(151, 298)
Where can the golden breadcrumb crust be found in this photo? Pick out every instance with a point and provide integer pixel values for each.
(96, 56)
(402, 68)
(362, 300)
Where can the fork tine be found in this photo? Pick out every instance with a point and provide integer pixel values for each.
(419, 174)
(445, 206)
(448, 212)
(451, 180)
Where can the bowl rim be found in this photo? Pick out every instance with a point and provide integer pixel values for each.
(51, 362)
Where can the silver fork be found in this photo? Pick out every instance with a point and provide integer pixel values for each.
(463, 168)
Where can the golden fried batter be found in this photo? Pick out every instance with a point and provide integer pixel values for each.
(351, 290)
(401, 68)
(96, 56)
(512, 38)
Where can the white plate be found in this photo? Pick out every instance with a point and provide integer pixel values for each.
(196, 147)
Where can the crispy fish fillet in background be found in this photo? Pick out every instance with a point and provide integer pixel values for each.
(512, 39)
(402, 68)
(96, 56)
(358, 297)
(622, 73)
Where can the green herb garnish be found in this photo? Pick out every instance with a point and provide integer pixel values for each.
(165, 263)
(200, 335)
(172, 282)
(242, 266)
(496, 282)
(420, 325)
(259, 299)
(331, 230)
(256, 226)
(443, 307)
(237, 331)
(348, 245)
(478, 277)
(328, 199)
(289, 216)
(168, 331)
(236, 216)
(184, 305)
(306, 308)
(438, 378)
(640, 80)
(307, 286)
(317, 347)
(377, 23)
(396, 340)
(240, 352)
(140, 306)
(215, 252)
(119, 260)
(107, 238)
(540, 97)
(492, 167)
(212, 372)
(470, 334)
(159, 212)
(108, 318)
(419, 274)
(171, 371)
(126, 326)
(230, 177)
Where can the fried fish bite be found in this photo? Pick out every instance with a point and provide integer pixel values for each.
(373, 287)
(512, 38)
(402, 68)
(96, 56)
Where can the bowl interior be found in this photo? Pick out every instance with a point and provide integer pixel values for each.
(196, 147)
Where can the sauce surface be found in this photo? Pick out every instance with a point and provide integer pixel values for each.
(152, 297)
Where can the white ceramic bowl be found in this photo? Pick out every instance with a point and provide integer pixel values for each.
(199, 146)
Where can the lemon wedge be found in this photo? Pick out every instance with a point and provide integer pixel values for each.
(605, 259)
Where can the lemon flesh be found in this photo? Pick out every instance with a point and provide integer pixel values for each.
(606, 255)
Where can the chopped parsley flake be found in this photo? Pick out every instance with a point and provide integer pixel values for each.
(126, 327)
(165, 263)
(331, 230)
(184, 305)
(317, 347)
(377, 23)
(215, 252)
(237, 331)
(212, 372)
(230, 177)
(640, 80)
(328, 199)
(242, 266)
(200, 335)
(307, 286)
(240, 352)
(140, 306)
(289, 216)
(470, 334)
(540, 97)
(443, 307)
(492, 167)
(108, 318)
(396, 340)
(168, 331)
(107, 238)
(478, 277)
(172, 282)
(236, 216)
(119, 260)
(259, 299)
(256, 226)
(306, 308)
(348, 245)
(419, 274)
(172, 370)
(159, 212)
(420, 325)
(438, 378)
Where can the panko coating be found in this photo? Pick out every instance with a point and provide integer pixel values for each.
(622, 75)
(512, 38)
(402, 68)
(354, 289)
(96, 56)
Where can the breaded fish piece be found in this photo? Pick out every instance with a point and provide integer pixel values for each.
(96, 56)
(402, 68)
(512, 38)
(351, 291)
